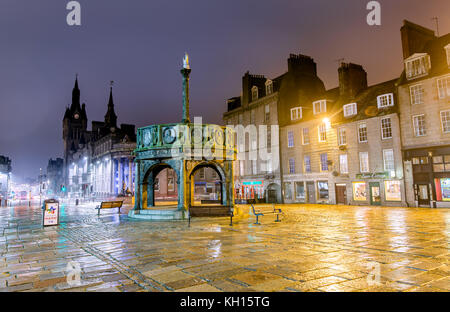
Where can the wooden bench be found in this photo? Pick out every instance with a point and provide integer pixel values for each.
(260, 212)
(109, 205)
(211, 211)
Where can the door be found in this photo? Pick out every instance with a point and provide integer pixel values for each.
(341, 194)
(311, 190)
(423, 195)
(272, 196)
(375, 197)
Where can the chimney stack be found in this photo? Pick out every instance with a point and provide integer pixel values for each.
(352, 79)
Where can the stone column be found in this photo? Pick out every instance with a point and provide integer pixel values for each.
(185, 72)
(119, 175)
(130, 175)
(138, 191)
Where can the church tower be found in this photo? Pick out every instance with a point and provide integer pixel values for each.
(74, 124)
(111, 117)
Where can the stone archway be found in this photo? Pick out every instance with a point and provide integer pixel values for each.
(224, 195)
(273, 193)
(148, 183)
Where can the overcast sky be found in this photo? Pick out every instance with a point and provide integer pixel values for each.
(140, 44)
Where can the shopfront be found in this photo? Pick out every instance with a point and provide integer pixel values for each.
(377, 189)
(250, 190)
(431, 176)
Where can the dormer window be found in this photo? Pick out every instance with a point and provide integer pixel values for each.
(254, 93)
(447, 50)
(385, 100)
(319, 107)
(296, 113)
(350, 110)
(417, 65)
(269, 87)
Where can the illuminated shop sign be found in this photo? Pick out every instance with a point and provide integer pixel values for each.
(375, 175)
(249, 183)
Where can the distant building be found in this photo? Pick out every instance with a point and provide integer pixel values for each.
(55, 176)
(424, 99)
(5, 177)
(97, 162)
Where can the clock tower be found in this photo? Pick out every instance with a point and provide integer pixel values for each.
(74, 124)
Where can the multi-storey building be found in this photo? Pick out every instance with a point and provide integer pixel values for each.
(100, 161)
(260, 105)
(424, 99)
(55, 176)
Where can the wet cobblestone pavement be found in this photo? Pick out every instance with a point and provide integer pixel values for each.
(314, 248)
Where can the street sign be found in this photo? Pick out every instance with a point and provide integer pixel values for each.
(50, 216)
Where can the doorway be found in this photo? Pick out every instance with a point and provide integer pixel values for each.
(375, 197)
(311, 191)
(341, 194)
(423, 195)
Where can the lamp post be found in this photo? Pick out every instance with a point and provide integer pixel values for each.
(40, 186)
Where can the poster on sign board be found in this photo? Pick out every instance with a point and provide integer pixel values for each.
(51, 213)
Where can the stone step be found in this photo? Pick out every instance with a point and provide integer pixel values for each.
(154, 214)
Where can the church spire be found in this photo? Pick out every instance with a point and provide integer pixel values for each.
(111, 117)
(75, 97)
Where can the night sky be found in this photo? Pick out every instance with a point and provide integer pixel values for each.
(140, 44)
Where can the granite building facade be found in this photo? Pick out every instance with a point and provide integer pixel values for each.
(97, 162)
(424, 98)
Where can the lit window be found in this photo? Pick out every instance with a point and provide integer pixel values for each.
(385, 100)
(443, 85)
(417, 65)
(307, 163)
(269, 87)
(267, 113)
(388, 159)
(291, 165)
(342, 137)
(386, 128)
(323, 132)
(296, 113)
(254, 93)
(319, 107)
(322, 187)
(343, 163)
(416, 92)
(445, 120)
(419, 125)
(241, 167)
(287, 190)
(350, 110)
(324, 162)
(290, 138)
(305, 137)
(364, 162)
(362, 133)
(447, 50)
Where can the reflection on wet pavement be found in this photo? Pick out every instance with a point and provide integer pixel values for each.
(314, 248)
